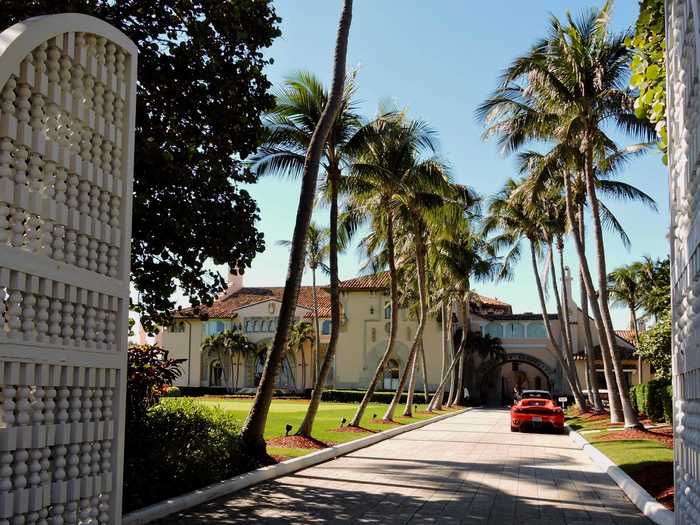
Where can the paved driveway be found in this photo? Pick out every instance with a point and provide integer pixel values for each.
(466, 469)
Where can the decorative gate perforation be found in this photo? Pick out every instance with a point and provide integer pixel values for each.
(67, 94)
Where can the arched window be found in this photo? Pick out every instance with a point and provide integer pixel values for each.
(247, 325)
(256, 326)
(494, 330)
(326, 327)
(271, 325)
(391, 375)
(514, 331)
(387, 311)
(285, 379)
(536, 331)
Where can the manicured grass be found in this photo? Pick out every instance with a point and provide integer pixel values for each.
(634, 455)
(329, 417)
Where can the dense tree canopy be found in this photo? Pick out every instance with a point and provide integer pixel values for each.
(201, 91)
(655, 346)
(649, 66)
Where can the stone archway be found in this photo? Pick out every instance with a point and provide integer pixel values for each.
(487, 369)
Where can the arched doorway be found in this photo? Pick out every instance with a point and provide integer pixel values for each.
(216, 373)
(500, 378)
(391, 375)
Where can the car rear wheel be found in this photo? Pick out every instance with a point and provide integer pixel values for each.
(513, 429)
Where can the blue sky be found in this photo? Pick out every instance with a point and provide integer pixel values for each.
(439, 59)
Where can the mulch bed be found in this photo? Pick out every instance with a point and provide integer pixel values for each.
(296, 442)
(663, 435)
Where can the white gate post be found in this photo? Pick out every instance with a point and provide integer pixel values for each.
(67, 112)
(683, 124)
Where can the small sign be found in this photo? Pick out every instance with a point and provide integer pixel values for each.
(563, 399)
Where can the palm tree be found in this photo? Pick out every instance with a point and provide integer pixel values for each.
(299, 334)
(567, 89)
(254, 426)
(225, 345)
(509, 216)
(464, 256)
(317, 251)
(625, 286)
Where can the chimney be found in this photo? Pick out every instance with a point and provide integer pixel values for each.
(235, 282)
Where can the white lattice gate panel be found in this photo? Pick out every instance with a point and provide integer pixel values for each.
(683, 118)
(67, 99)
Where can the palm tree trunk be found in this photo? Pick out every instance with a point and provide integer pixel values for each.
(308, 423)
(424, 369)
(408, 410)
(633, 314)
(613, 399)
(317, 338)
(254, 426)
(438, 398)
(417, 338)
(454, 375)
(393, 323)
(464, 319)
(303, 366)
(631, 419)
(449, 374)
(590, 361)
(563, 321)
(547, 324)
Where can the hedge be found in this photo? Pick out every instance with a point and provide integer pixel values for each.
(355, 396)
(653, 399)
(180, 446)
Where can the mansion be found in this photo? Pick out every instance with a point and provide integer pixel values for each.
(365, 311)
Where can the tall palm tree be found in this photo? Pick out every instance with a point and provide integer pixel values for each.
(317, 251)
(290, 130)
(625, 286)
(464, 256)
(509, 218)
(254, 426)
(299, 334)
(566, 89)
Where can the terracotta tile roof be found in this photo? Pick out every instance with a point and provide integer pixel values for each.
(228, 303)
(627, 335)
(380, 281)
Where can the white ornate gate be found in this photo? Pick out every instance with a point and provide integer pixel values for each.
(683, 117)
(67, 94)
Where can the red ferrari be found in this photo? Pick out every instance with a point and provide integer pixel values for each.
(536, 409)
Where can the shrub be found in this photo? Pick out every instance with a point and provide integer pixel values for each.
(179, 446)
(149, 372)
(653, 399)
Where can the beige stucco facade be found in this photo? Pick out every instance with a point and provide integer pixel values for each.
(530, 363)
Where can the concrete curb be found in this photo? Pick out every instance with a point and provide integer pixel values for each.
(644, 501)
(229, 486)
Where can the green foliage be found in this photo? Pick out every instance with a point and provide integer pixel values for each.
(225, 345)
(355, 396)
(149, 373)
(656, 286)
(654, 399)
(655, 346)
(649, 67)
(172, 391)
(180, 446)
(200, 94)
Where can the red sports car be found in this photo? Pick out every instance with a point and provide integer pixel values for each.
(536, 409)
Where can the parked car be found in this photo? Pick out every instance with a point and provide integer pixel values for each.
(536, 409)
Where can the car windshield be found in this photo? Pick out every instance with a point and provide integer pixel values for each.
(536, 395)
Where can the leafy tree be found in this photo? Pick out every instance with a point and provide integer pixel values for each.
(649, 67)
(656, 286)
(200, 93)
(655, 346)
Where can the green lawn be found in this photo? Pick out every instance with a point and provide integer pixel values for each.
(634, 455)
(292, 411)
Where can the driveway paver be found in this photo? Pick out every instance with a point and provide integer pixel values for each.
(466, 469)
